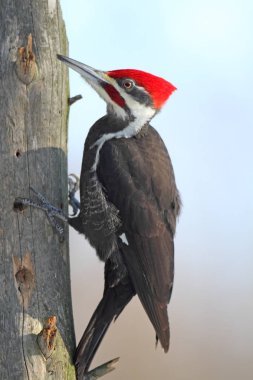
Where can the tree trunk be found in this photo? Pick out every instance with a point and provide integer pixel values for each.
(34, 262)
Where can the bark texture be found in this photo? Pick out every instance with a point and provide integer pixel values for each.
(34, 262)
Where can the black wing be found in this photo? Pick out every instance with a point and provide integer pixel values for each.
(138, 178)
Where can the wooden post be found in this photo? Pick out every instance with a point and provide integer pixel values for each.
(36, 324)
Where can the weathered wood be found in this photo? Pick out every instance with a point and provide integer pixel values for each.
(34, 263)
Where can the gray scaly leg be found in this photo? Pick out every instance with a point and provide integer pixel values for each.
(43, 204)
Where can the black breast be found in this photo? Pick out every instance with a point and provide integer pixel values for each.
(138, 171)
(130, 173)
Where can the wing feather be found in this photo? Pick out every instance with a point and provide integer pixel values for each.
(138, 179)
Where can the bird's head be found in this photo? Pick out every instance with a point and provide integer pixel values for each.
(129, 93)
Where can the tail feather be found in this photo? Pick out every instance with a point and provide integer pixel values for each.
(112, 303)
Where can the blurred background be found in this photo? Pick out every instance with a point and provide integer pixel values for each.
(205, 49)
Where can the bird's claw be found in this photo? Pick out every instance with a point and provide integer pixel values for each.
(43, 204)
(53, 212)
(73, 188)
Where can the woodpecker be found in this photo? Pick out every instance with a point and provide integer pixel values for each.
(129, 202)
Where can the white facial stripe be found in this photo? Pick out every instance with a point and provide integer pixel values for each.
(99, 143)
(139, 111)
(141, 115)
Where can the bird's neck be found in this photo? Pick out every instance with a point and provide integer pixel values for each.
(129, 122)
(113, 127)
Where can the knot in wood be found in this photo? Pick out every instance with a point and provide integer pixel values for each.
(47, 337)
(26, 67)
(25, 279)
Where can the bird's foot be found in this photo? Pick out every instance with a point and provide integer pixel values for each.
(43, 204)
(73, 181)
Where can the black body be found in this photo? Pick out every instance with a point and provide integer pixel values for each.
(131, 192)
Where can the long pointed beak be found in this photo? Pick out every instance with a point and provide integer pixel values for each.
(86, 71)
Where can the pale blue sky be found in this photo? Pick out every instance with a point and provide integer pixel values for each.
(205, 49)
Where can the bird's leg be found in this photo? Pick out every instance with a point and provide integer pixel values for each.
(53, 212)
(43, 204)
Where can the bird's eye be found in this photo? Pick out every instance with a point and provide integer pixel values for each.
(128, 84)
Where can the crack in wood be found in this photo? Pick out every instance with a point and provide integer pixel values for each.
(22, 337)
(24, 281)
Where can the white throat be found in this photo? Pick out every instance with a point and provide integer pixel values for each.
(141, 115)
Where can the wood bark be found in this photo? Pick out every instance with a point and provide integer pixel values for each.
(34, 262)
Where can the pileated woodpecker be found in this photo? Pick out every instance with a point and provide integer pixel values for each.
(129, 202)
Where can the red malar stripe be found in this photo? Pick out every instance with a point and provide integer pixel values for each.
(114, 95)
